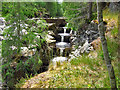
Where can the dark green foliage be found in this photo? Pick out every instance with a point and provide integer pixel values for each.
(29, 9)
(15, 65)
(76, 13)
(54, 9)
(34, 9)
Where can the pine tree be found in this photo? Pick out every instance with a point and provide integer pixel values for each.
(101, 29)
(119, 49)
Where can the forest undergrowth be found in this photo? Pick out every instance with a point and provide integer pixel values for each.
(83, 71)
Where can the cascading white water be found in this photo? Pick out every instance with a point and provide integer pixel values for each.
(64, 34)
(65, 28)
(62, 46)
(62, 38)
(61, 51)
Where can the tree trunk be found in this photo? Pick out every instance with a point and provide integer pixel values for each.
(101, 29)
(119, 49)
(89, 10)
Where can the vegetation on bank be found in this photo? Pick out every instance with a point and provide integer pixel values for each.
(19, 35)
(81, 72)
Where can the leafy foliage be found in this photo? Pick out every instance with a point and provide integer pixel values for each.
(17, 35)
(34, 9)
(76, 13)
(54, 9)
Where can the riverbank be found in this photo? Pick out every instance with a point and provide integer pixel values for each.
(82, 71)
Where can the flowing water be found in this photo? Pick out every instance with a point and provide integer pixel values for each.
(62, 46)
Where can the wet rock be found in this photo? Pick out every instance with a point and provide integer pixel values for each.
(49, 36)
(51, 33)
(58, 38)
(60, 30)
(68, 30)
(26, 52)
(96, 43)
(51, 26)
(67, 39)
(50, 39)
(89, 33)
(58, 21)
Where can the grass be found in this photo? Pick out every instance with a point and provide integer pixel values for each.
(114, 32)
(84, 72)
(112, 49)
(112, 20)
(113, 42)
(107, 14)
(81, 72)
(22, 81)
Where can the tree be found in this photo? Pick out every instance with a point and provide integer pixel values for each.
(119, 47)
(15, 37)
(54, 9)
(90, 10)
(76, 13)
(35, 9)
(101, 29)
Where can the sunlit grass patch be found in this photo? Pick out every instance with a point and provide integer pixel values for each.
(85, 60)
(107, 14)
(82, 72)
(114, 32)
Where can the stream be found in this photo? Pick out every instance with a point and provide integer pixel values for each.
(63, 46)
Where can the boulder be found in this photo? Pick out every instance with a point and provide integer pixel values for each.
(59, 21)
(51, 26)
(26, 52)
(96, 43)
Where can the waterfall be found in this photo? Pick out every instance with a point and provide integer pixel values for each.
(64, 30)
(62, 38)
(61, 51)
(71, 32)
(62, 45)
(75, 33)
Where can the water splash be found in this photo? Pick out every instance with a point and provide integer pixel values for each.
(65, 28)
(62, 45)
(62, 38)
(59, 59)
(64, 34)
(61, 51)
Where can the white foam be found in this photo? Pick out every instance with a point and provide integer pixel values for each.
(61, 59)
(62, 44)
(64, 34)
